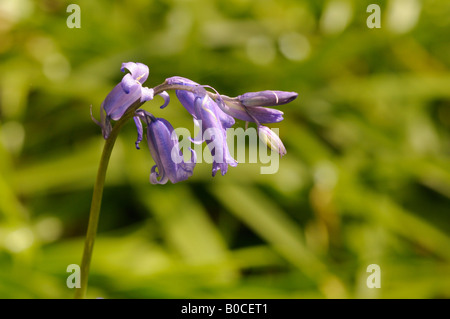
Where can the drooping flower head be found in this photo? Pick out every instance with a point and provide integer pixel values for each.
(187, 100)
(211, 119)
(212, 112)
(128, 91)
(164, 149)
(124, 95)
(214, 132)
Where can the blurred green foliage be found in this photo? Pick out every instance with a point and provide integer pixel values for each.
(366, 179)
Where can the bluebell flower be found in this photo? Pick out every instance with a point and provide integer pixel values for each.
(214, 132)
(251, 107)
(124, 95)
(128, 91)
(212, 120)
(164, 149)
(266, 98)
(187, 100)
(268, 137)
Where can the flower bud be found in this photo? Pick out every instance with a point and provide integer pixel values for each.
(271, 139)
(267, 98)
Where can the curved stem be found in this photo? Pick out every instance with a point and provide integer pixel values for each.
(94, 214)
(95, 210)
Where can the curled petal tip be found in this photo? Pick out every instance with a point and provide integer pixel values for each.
(166, 98)
(154, 176)
(139, 71)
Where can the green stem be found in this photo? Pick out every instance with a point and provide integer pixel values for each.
(95, 211)
(94, 214)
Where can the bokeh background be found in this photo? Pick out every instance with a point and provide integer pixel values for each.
(366, 178)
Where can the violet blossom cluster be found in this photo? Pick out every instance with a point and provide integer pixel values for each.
(211, 111)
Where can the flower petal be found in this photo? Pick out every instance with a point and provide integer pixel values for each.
(117, 101)
(250, 114)
(140, 130)
(129, 83)
(271, 139)
(187, 99)
(139, 71)
(214, 133)
(154, 176)
(164, 148)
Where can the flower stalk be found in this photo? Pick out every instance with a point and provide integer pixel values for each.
(97, 195)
